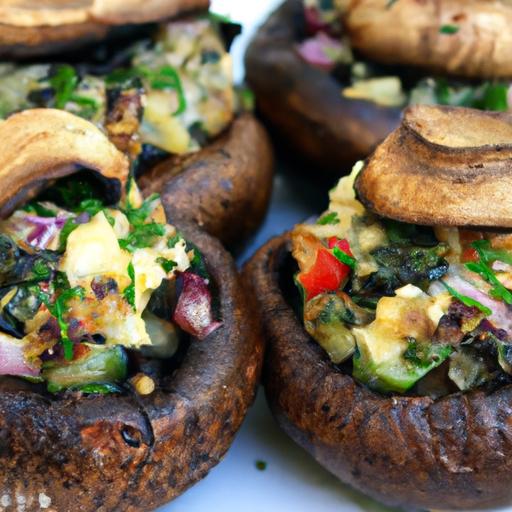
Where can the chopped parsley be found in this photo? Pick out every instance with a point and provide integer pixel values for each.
(58, 307)
(449, 29)
(467, 301)
(143, 234)
(64, 83)
(38, 209)
(344, 257)
(167, 265)
(129, 291)
(41, 270)
(66, 230)
(328, 218)
(261, 465)
(174, 240)
(498, 291)
(489, 255)
(165, 77)
(483, 268)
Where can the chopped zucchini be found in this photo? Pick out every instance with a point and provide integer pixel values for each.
(99, 366)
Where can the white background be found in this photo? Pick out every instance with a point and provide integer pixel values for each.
(292, 481)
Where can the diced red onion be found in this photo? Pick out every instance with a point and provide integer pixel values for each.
(315, 50)
(45, 229)
(194, 309)
(12, 359)
(46, 221)
(501, 316)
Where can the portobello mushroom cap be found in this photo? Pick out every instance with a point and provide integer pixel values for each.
(443, 166)
(454, 452)
(129, 452)
(305, 104)
(26, 165)
(470, 38)
(224, 188)
(35, 27)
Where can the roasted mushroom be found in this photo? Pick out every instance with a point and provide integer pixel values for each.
(37, 28)
(388, 341)
(332, 77)
(414, 34)
(119, 388)
(164, 95)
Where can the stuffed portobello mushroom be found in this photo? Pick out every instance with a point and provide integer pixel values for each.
(127, 355)
(388, 320)
(331, 76)
(163, 93)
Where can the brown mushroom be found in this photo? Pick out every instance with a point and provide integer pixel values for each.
(468, 38)
(126, 451)
(36, 28)
(225, 187)
(305, 104)
(44, 144)
(454, 452)
(443, 166)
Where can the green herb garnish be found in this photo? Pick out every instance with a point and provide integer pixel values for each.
(143, 233)
(174, 240)
(495, 97)
(64, 83)
(38, 209)
(59, 307)
(165, 77)
(344, 257)
(498, 291)
(167, 265)
(328, 218)
(66, 230)
(41, 270)
(449, 29)
(261, 465)
(483, 268)
(129, 291)
(219, 18)
(490, 255)
(141, 236)
(467, 301)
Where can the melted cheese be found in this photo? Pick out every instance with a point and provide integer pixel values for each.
(93, 250)
(411, 313)
(160, 127)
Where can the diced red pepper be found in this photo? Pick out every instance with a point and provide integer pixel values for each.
(326, 275)
(343, 245)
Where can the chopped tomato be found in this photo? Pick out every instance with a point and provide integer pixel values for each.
(469, 254)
